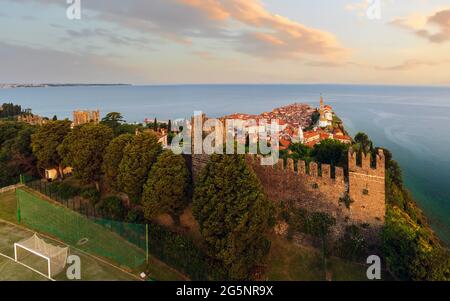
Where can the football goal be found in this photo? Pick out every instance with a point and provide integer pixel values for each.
(41, 257)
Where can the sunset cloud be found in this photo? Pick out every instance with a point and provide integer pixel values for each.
(434, 27)
(271, 35)
(262, 34)
(412, 64)
(212, 8)
(181, 41)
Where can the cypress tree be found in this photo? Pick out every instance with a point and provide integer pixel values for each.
(135, 166)
(113, 156)
(168, 186)
(234, 215)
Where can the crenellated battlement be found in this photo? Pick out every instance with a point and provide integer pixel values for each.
(303, 169)
(366, 163)
(367, 188)
(321, 187)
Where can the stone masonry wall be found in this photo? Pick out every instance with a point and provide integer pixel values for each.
(313, 189)
(305, 187)
(367, 190)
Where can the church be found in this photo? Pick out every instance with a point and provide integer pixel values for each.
(326, 114)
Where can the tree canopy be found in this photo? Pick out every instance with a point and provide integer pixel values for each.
(297, 151)
(46, 141)
(16, 156)
(363, 143)
(112, 158)
(168, 187)
(113, 120)
(83, 150)
(331, 151)
(10, 110)
(410, 250)
(135, 166)
(234, 214)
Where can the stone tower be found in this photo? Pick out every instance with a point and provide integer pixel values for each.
(367, 189)
(323, 122)
(82, 117)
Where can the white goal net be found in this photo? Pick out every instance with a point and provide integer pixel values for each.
(41, 257)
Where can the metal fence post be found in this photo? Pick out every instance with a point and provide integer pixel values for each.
(146, 242)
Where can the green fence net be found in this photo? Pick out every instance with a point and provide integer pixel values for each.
(124, 243)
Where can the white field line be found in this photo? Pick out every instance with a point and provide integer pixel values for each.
(81, 251)
(28, 267)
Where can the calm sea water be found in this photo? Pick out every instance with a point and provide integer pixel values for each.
(413, 122)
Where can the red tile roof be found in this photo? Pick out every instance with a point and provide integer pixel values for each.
(310, 134)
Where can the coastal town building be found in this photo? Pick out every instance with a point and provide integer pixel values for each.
(326, 114)
(52, 174)
(293, 119)
(82, 117)
(311, 138)
(32, 119)
(148, 121)
(161, 134)
(295, 125)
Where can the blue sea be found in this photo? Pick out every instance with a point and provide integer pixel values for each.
(413, 122)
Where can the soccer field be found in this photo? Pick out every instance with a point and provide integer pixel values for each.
(91, 267)
(11, 271)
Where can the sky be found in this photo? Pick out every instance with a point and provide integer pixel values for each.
(405, 42)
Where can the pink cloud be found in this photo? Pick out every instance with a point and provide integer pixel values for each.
(434, 27)
(245, 26)
(270, 35)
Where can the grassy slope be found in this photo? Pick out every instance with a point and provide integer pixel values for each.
(291, 262)
(8, 208)
(156, 268)
(91, 268)
(286, 260)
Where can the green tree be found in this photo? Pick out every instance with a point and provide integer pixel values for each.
(55, 118)
(137, 161)
(410, 250)
(319, 224)
(234, 214)
(363, 143)
(114, 121)
(127, 128)
(9, 130)
(170, 134)
(83, 150)
(331, 151)
(16, 156)
(10, 110)
(297, 151)
(112, 158)
(112, 208)
(394, 171)
(168, 187)
(352, 244)
(45, 143)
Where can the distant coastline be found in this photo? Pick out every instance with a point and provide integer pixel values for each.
(46, 85)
